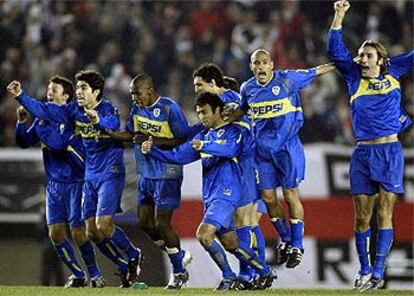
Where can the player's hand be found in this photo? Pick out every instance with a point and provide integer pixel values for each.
(21, 114)
(139, 138)
(341, 6)
(93, 115)
(15, 88)
(197, 144)
(147, 145)
(227, 111)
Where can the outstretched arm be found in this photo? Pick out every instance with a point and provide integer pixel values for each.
(341, 7)
(325, 68)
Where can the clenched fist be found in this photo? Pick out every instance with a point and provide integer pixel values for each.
(21, 114)
(15, 88)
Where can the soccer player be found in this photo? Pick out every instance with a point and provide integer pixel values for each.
(273, 98)
(104, 167)
(218, 146)
(377, 163)
(63, 159)
(159, 187)
(209, 77)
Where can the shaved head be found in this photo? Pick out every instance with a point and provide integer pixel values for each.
(143, 80)
(259, 51)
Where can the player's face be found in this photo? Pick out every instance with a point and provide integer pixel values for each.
(85, 96)
(262, 66)
(202, 86)
(370, 62)
(207, 116)
(141, 95)
(55, 94)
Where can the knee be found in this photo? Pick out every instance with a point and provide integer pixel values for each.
(229, 244)
(269, 197)
(105, 228)
(57, 236)
(205, 239)
(384, 217)
(78, 235)
(93, 235)
(362, 221)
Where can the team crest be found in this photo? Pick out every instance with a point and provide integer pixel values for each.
(220, 132)
(62, 128)
(157, 112)
(276, 90)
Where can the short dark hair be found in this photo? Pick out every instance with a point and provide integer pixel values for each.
(95, 80)
(66, 83)
(210, 99)
(231, 83)
(210, 71)
(143, 78)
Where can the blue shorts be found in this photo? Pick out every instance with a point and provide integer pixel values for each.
(285, 168)
(377, 165)
(102, 198)
(165, 194)
(64, 203)
(261, 207)
(220, 213)
(250, 190)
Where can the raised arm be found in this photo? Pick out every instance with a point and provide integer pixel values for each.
(25, 137)
(325, 68)
(341, 7)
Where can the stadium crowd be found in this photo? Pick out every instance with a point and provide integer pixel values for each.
(169, 39)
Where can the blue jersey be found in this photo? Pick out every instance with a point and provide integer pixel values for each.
(104, 155)
(221, 172)
(276, 106)
(247, 153)
(63, 153)
(163, 119)
(375, 102)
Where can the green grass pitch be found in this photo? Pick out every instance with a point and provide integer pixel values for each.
(113, 291)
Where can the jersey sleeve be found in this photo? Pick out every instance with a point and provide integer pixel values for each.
(46, 111)
(300, 78)
(341, 55)
(228, 149)
(55, 137)
(399, 65)
(26, 137)
(182, 154)
(177, 121)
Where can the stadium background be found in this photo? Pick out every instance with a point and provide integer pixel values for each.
(168, 39)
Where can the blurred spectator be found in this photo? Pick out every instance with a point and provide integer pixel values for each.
(168, 39)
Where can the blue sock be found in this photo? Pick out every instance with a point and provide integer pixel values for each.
(219, 256)
(362, 240)
(67, 255)
(176, 258)
(244, 234)
(283, 229)
(384, 243)
(245, 253)
(260, 245)
(121, 240)
(89, 258)
(296, 227)
(112, 253)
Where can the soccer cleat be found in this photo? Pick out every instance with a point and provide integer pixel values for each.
(361, 280)
(227, 284)
(245, 285)
(97, 282)
(134, 267)
(177, 281)
(265, 282)
(75, 282)
(123, 274)
(283, 251)
(295, 257)
(372, 284)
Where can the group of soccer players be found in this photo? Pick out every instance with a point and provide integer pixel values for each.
(248, 145)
